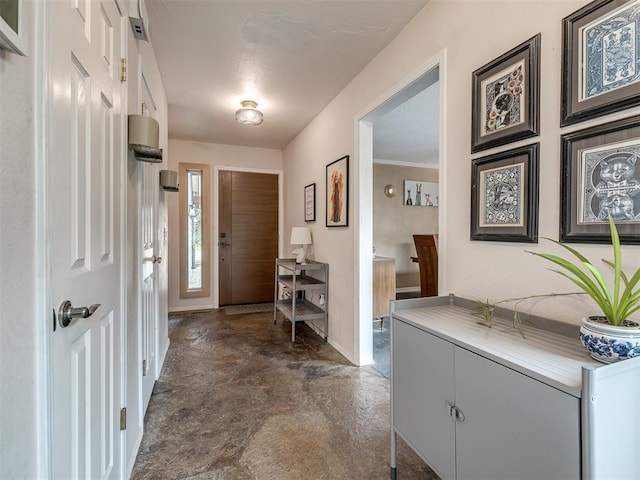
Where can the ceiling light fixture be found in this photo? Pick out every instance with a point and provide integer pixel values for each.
(249, 114)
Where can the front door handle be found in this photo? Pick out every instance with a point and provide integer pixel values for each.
(67, 312)
(224, 244)
(155, 259)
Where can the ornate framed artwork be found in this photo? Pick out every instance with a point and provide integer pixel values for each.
(601, 178)
(310, 203)
(506, 97)
(600, 60)
(338, 193)
(504, 196)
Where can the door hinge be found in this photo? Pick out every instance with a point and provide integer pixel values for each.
(123, 69)
(144, 368)
(123, 418)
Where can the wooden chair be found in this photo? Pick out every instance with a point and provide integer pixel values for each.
(427, 251)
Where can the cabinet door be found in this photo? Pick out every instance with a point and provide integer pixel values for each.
(515, 427)
(422, 379)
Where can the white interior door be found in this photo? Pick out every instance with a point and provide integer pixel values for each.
(149, 186)
(83, 151)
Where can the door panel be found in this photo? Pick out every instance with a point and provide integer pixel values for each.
(248, 225)
(83, 145)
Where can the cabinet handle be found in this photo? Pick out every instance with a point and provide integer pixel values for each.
(455, 412)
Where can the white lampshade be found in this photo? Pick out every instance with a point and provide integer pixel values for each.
(300, 236)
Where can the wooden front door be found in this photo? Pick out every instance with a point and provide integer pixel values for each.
(248, 236)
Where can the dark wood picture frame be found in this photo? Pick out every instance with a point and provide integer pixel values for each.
(337, 190)
(605, 87)
(592, 189)
(504, 196)
(310, 203)
(505, 97)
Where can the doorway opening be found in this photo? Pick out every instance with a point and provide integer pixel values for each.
(401, 194)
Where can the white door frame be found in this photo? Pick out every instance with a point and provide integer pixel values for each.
(363, 348)
(216, 227)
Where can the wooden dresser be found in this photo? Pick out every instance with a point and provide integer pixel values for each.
(384, 285)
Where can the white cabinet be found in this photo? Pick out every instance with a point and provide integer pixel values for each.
(486, 403)
(472, 418)
(301, 293)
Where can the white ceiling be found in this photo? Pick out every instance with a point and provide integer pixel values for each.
(292, 57)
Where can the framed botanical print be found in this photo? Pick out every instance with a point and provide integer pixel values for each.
(600, 60)
(504, 196)
(505, 97)
(310, 203)
(338, 193)
(601, 178)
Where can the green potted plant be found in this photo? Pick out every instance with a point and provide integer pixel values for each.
(611, 336)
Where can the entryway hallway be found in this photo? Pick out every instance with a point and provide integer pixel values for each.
(236, 402)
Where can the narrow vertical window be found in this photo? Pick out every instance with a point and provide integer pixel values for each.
(194, 230)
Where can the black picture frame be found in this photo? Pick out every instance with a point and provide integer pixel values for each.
(504, 195)
(337, 190)
(310, 203)
(505, 97)
(592, 188)
(591, 87)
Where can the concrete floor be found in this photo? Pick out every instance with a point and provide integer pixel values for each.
(236, 402)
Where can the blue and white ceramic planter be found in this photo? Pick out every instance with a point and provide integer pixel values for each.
(609, 343)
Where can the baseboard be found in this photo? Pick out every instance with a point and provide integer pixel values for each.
(163, 358)
(132, 461)
(191, 309)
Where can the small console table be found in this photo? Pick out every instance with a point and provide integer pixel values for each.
(309, 299)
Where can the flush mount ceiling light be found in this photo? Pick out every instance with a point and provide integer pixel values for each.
(249, 114)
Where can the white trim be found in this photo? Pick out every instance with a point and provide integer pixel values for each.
(44, 330)
(405, 164)
(138, 442)
(363, 347)
(216, 212)
(10, 40)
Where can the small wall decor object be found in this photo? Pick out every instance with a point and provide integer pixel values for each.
(600, 60)
(420, 194)
(601, 178)
(11, 37)
(169, 180)
(505, 105)
(504, 196)
(390, 190)
(338, 193)
(310, 203)
(144, 138)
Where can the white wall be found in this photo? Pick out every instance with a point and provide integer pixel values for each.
(22, 325)
(214, 155)
(473, 33)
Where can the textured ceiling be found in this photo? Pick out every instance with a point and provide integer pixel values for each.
(292, 57)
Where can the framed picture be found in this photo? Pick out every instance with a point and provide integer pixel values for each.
(600, 60)
(11, 37)
(504, 196)
(601, 178)
(310, 203)
(338, 193)
(506, 97)
(420, 194)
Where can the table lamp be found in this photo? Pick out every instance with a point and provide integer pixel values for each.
(300, 236)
